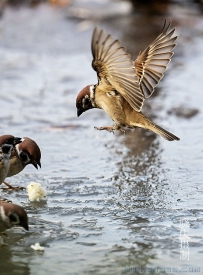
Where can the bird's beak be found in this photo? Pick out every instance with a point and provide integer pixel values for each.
(34, 163)
(80, 111)
(26, 227)
(39, 163)
(17, 140)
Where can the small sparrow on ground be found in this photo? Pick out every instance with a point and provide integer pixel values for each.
(123, 84)
(12, 215)
(24, 153)
(7, 143)
(5, 153)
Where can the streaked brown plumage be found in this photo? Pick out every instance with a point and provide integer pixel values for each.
(123, 84)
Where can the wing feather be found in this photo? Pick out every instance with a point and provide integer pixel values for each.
(151, 64)
(137, 81)
(112, 63)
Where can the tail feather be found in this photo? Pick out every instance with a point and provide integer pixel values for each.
(162, 132)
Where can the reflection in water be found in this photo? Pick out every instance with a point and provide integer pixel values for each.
(13, 257)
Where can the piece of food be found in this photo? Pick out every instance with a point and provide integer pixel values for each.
(36, 191)
(37, 247)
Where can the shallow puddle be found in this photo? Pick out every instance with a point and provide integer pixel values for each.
(117, 204)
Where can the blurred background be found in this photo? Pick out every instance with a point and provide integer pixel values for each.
(115, 202)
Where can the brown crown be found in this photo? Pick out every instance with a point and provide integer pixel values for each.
(31, 147)
(10, 207)
(85, 91)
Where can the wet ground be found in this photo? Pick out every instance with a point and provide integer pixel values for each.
(117, 204)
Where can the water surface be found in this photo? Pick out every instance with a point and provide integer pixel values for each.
(115, 202)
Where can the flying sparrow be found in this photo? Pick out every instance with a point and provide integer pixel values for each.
(123, 84)
(24, 153)
(12, 215)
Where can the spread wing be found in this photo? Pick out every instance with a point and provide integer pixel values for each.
(113, 64)
(151, 64)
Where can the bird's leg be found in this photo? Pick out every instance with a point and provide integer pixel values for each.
(10, 187)
(122, 130)
(107, 128)
(111, 128)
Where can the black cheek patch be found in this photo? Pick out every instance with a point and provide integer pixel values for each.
(23, 156)
(13, 217)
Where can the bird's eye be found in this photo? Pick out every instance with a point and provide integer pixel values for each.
(23, 156)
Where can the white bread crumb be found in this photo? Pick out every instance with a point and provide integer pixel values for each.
(35, 191)
(37, 246)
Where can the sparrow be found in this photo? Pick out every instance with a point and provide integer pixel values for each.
(24, 153)
(123, 84)
(12, 215)
(5, 153)
(7, 143)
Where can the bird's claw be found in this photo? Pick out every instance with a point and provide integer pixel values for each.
(10, 187)
(107, 128)
(16, 188)
(122, 131)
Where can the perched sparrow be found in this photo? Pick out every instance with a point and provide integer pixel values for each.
(26, 152)
(123, 84)
(5, 153)
(11, 215)
(7, 142)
